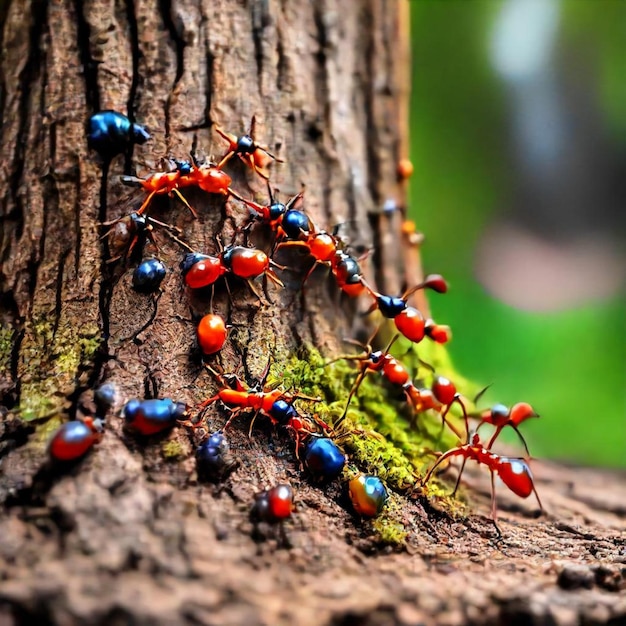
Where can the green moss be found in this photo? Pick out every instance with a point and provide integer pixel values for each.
(380, 432)
(52, 362)
(172, 450)
(389, 525)
(6, 349)
(44, 431)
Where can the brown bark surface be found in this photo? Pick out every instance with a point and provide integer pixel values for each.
(130, 536)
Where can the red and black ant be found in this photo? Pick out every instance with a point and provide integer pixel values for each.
(514, 472)
(370, 361)
(208, 178)
(274, 213)
(273, 403)
(408, 320)
(397, 374)
(133, 229)
(202, 270)
(500, 416)
(163, 183)
(442, 393)
(253, 154)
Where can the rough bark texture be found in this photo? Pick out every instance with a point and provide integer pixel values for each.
(130, 536)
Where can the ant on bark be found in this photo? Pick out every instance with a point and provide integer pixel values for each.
(514, 472)
(253, 154)
(275, 404)
(408, 320)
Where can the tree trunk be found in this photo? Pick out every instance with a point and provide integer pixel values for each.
(130, 536)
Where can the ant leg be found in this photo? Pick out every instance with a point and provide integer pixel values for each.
(449, 424)
(227, 157)
(249, 160)
(494, 436)
(253, 289)
(443, 457)
(299, 396)
(522, 439)
(205, 403)
(355, 387)
(184, 201)
(494, 508)
(146, 202)
(458, 478)
(252, 423)
(272, 275)
(233, 415)
(458, 400)
(538, 500)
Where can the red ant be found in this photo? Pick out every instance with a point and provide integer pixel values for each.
(211, 333)
(162, 183)
(248, 150)
(500, 416)
(514, 472)
(397, 374)
(322, 246)
(273, 213)
(442, 393)
(126, 232)
(274, 403)
(347, 272)
(202, 270)
(209, 178)
(408, 320)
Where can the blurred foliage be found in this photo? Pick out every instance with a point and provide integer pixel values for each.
(570, 365)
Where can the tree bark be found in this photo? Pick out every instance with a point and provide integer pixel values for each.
(130, 536)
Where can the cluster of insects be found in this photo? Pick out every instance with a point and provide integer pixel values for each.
(317, 443)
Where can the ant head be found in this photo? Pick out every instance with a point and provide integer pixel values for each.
(180, 410)
(283, 412)
(390, 306)
(295, 223)
(375, 357)
(140, 134)
(95, 424)
(498, 415)
(348, 268)
(245, 145)
(183, 167)
(516, 475)
(277, 210)
(138, 221)
(444, 390)
(130, 409)
(190, 259)
(227, 255)
(521, 412)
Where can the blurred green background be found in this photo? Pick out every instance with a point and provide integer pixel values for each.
(519, 126)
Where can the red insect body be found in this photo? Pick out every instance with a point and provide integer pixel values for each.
(211, 333)
(280, 502)
(514, 473)
(246, 262)
(209, 179)
(204, 272)
(74, 439)
(444, 390)
(411, 324)
(438, 332)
